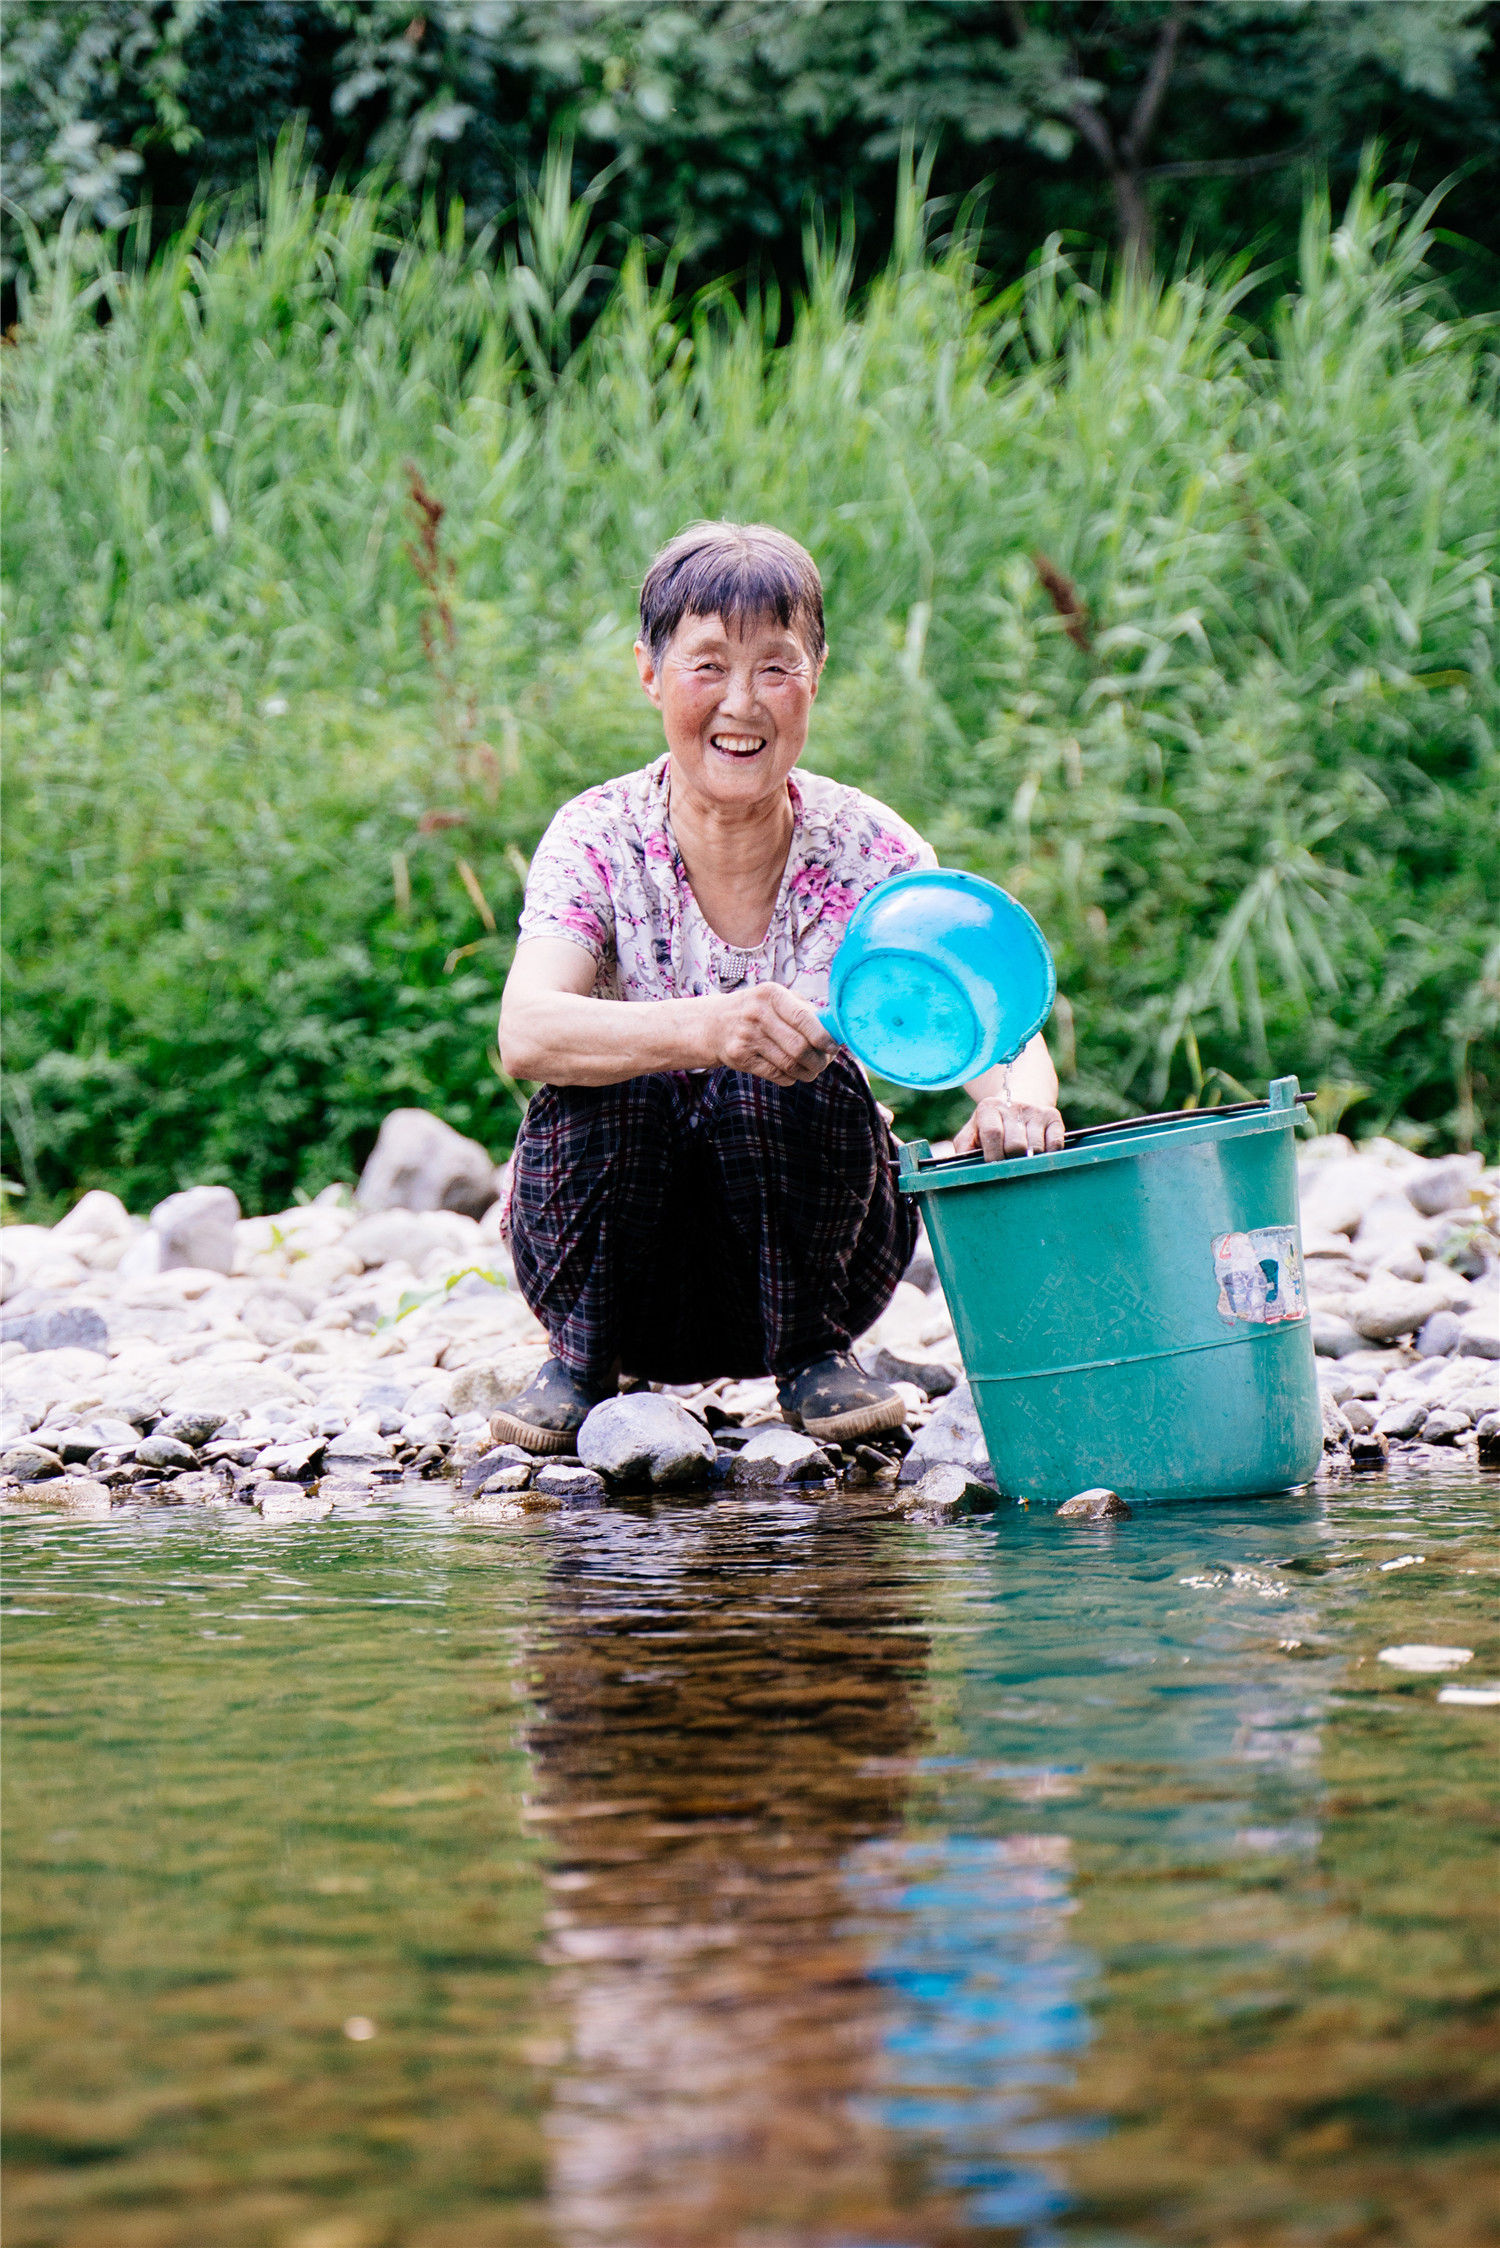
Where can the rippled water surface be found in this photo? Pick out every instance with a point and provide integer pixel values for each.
(699, 1876)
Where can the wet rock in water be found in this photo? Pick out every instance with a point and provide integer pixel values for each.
(1388, 1309)
(1489, 1440)
(489, 1463)
(72, 1327)
(875, 1466)
(30, 1463)
(68, 1494)
(1334, 1336)
(1403, 1418)
(645, 1438)
(360, 1446)
(952, 1438)
(203, 1488)
(420, 1163)
(197, 1228)
(944, 1494)
(777, 1455)
(1097, 1505)
(296, 1462)
(1445, 1426)
(575, 1486)
(493, 1507)
(1337, 1427)
(929, 1375)
(1439, 1335)
(510, 1478)
(289, 1502)
(165, 1451)
(1424, 1659)
(1369, 1448)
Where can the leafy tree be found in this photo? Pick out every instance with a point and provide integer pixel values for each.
(717, 122)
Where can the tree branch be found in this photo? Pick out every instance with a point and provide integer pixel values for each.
(1229, 167)
(1092, 128)
(1148, 107)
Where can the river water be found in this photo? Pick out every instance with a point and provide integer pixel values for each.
(748, 1875)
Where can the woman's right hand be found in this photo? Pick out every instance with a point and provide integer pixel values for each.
(768, 1031)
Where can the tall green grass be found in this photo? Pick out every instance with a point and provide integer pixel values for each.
(267, 763)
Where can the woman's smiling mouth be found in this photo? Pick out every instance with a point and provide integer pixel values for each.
(737, 745)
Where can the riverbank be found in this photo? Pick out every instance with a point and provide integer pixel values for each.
(292, 1361)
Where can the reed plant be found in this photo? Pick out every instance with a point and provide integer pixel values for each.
(321, 541)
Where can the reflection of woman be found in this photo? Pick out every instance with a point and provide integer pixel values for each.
(717, 1724)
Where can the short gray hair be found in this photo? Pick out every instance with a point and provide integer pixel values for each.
(738, 571)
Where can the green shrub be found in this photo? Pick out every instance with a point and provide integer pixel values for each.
(1185, 633)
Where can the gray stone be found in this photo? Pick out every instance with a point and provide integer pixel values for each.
(191, 1428)
(1368, 1448)
(29, 1463)
(1403, 1419)
(922, 1271)
(513, 1478)
(203, 1489)
(1337, 1427)
(646, 1439)
(1479, 1335)
(420, 1163)
(70, 1494)
(360, 1445)
(76, 1444)
(930, 1375)
(1096, 1505)
(486, 1389)
(1445, 1426)
(1388, 1309)
(74, 1327)
(952, 1437)
(945, 1493)
(1333, 1335)
(1489, 1440)
(778, 1455)
(197, 1228)
(164, 1451)
(1444, 1185)
(575, 1486)
(1439, 1335)
(297, 1461)
(1359, 1415)
(489, 1463)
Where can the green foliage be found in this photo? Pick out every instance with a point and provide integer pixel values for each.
(1184, 632)
(717, 121)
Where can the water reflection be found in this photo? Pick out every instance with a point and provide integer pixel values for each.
(729, 1706)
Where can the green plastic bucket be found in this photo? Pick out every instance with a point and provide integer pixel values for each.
(1131, 1309)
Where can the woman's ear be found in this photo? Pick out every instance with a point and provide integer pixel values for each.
(650, 677)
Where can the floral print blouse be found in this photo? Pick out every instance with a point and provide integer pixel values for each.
(608, 876)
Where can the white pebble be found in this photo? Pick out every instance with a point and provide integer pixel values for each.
(1426, 1658)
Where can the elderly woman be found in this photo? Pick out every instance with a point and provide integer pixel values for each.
(704, 1184)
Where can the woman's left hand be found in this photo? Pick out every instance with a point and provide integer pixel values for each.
(1001, 1129)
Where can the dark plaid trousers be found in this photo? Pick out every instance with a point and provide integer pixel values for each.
(692, 1226)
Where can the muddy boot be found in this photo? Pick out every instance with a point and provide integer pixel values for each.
(836, 1398)
(550, 1410)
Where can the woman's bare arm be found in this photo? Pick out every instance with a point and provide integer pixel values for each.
(553, 1031)
(1015, 1110)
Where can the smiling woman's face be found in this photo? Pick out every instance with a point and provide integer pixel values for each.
(734, 705)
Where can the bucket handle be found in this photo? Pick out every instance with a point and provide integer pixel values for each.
(1284, 1094)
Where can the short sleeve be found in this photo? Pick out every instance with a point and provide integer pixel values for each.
(569, 892)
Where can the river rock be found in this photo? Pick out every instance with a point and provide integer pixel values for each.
(1359, 1415)
(1334, 1336)
(952, 1437)
(929, 1375)
(297, 1461)
(1369, 1448)
(192, 1428)
(1479, 1334)
(487, 1388)
(420, 1163)
(1097, 1505)
(575, 1486)
(1489, 1440)
(1388, 1309)
(30, 1463)
(1337, 1426)
(73, 1327)
(196, 1228)
(164, 1451)
(1445, 1426)
(513, 1477)
(1439, 1335)
(231, 1390)
(944, 1494)
(203, 1488)
(1445, 1184)
(68, 1494)
(360, 1446)
(288, 1502)
(644, 1439)
(1403, 1419)
(777, 1455)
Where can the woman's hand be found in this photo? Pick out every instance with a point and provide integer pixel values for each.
(1000, 1129)
(768, 1031)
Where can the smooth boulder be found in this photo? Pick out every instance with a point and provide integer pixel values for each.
(945, 1494)
(953, 1437)
(646, 1439)
(196, 1228)
(420, 1163)
(1096, 1505)
(778, 1455)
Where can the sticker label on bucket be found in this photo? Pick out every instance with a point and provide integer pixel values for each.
(1259, 1276)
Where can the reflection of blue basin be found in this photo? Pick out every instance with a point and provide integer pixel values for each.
(939, 976)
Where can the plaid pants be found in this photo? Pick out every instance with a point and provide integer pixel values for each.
(692, 1226)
